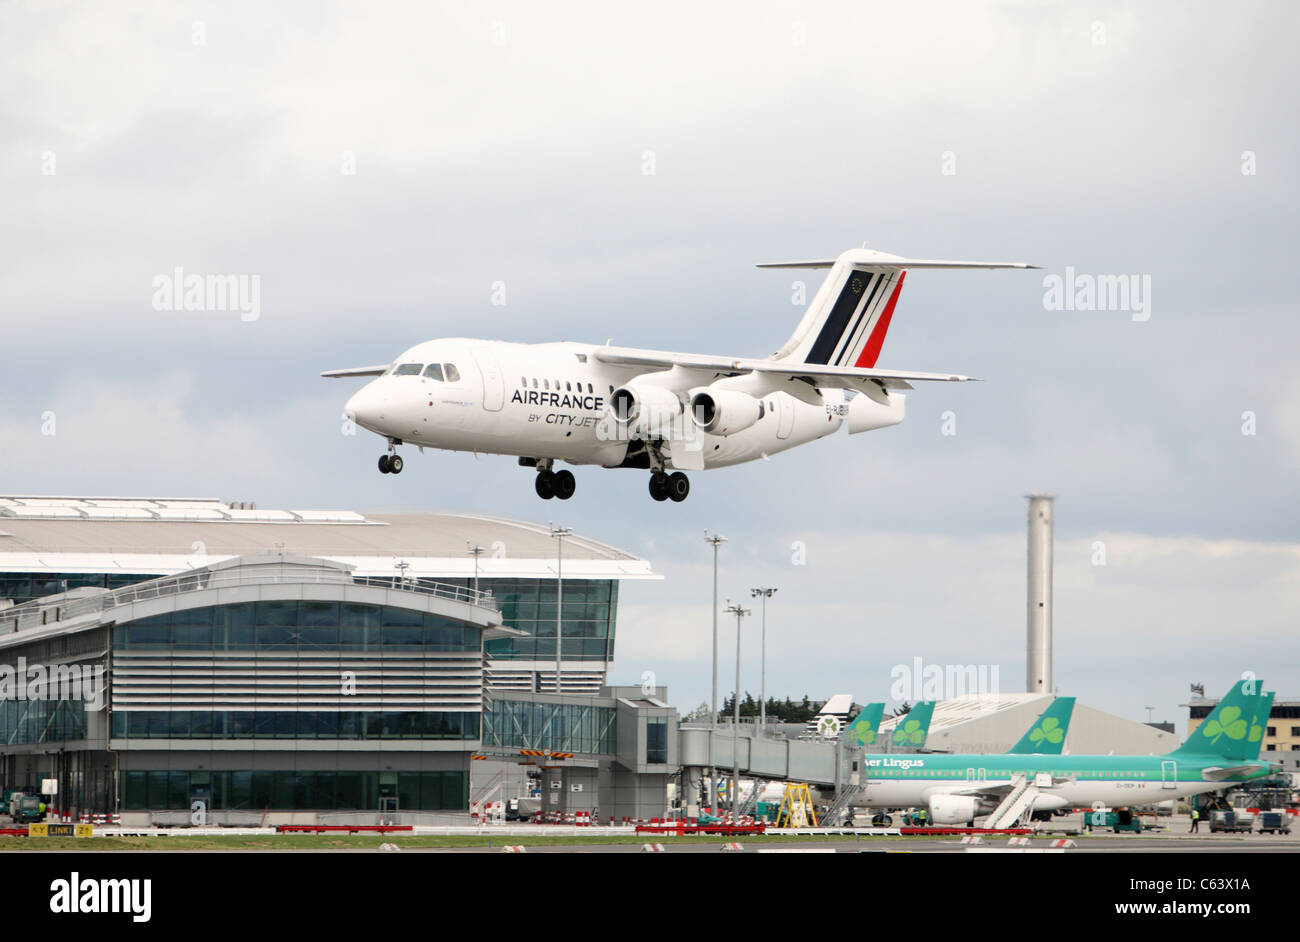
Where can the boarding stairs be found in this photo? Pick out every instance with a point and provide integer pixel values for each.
(1017, 803)
(834, 815)
(749, 804)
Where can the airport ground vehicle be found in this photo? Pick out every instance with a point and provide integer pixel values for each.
(1231, 821)
(1274, 822)
(1118, 820)
(24, 808)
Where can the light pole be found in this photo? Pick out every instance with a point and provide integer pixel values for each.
(735, 727)
(716, 541)
(476, 552)
(765, 594)
(559, 533)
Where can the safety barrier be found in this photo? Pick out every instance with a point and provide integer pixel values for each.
(691, 826)
(101, 819)
(341, 828)
(580, 819)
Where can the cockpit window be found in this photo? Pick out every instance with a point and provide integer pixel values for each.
(453, 374)
(433, 371)
(408, 369)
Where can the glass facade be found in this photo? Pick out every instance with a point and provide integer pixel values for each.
(529, 605)
(260, 790)
(526, 604)
(299, 626)
(330, 724)
(562, 727)
(25, 586)
(32, 721)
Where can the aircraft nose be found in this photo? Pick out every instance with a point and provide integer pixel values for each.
(367, 407)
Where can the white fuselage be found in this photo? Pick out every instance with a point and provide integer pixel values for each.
(551, 401)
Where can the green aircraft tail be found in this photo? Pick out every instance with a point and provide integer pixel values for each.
(913, 728)
(864, 729)
(1235, 727)
(1047, 734)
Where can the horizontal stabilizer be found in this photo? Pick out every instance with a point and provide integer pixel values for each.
(1218, 773)
(881, 262)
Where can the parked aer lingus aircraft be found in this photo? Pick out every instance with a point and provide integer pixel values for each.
(618, 407)
(1007, 787)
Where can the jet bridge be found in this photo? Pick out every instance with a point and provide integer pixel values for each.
(816, 762)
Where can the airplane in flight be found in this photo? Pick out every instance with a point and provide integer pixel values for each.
(1007, 787)
(668, 413)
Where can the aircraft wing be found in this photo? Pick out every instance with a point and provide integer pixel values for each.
(845, 377)
(357, 371)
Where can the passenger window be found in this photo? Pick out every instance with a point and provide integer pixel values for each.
(408, 369)
(546, 384)
(433, 371)
(567, 387)
(453, 374)
(534, 382)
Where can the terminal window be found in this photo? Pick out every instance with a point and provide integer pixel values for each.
(656, 741)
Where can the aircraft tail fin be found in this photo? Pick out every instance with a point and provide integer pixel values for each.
(913, 728)
(1235, 728)
(864, 728)
(848, 318)
(1047, 734)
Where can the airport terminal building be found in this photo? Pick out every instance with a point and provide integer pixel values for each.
(272, 665)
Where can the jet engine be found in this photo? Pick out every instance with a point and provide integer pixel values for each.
(645, 411)
(953, 809)
(723, 411)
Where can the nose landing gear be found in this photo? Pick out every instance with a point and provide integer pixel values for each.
(391, 463)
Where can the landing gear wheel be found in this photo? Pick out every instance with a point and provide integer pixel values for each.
(545, 485)
(679, 485)
(565, 484)
(659, 486)
(394, 464)
(383, 464)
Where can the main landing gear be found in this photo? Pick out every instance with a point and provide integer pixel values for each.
(674, 487)
(559, 484)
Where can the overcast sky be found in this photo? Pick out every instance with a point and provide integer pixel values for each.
(620, 171)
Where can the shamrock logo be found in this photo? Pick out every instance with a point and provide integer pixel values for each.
(909, 734)
(1049, 731)
(828, 725)
(1228, 723)
(863, 733)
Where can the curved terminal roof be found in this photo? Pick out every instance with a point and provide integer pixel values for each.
(165, 535)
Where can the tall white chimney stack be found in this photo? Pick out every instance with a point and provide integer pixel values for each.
(1038, 654)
